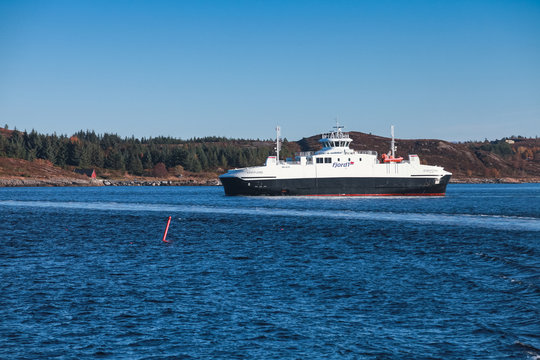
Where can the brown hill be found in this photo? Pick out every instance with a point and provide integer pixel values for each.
(6, 132)
(19, 172)
(40, 169)
(520, 160)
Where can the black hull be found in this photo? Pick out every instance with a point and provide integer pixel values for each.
(361, 186)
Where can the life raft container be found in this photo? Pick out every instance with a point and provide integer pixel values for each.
(388, 159)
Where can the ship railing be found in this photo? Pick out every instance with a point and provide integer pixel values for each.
(309, 154)
(290, 161)
(335, 135)
(368, 152)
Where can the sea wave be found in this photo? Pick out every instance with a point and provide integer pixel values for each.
(502, 222)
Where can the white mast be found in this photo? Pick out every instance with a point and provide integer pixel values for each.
(278, 143)
(337, 127)
(393, 144)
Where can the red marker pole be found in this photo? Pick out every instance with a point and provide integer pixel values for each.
(166, 229)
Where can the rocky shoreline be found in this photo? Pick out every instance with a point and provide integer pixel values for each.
(29, 182)
(64, 181)
(59, 182)
(190, 182)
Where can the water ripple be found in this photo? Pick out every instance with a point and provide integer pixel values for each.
(478, 220)
(86, 275)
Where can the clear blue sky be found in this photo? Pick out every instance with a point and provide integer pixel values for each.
(454, 70)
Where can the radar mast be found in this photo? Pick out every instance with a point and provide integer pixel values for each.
(278, 143)
(393, 144)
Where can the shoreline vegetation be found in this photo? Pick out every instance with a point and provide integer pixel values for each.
(33, 159)
(66, 182)
(41, 173)
(59, 182)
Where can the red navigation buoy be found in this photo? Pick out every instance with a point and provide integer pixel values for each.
(166, 229)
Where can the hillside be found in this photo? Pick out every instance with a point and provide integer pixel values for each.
(19, 172)
(470, 161)
(138, 157)
(28, 159)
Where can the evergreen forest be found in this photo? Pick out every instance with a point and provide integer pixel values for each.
(146, 156)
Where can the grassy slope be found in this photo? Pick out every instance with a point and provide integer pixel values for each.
(37, 169)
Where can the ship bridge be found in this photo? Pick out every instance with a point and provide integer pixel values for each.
(335, 140)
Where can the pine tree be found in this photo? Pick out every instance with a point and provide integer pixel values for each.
(178, 156)
(73, 153)
(135, 165)
(115, 160)
(203, 159)
(3, 146)
(222, 161)
(147, 160)
(97, 157)
(85, 157)
(61, 153)
(212, 156)
(192, 162)
(16, 146)
(242, 161)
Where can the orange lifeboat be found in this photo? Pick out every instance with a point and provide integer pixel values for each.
(388, 159)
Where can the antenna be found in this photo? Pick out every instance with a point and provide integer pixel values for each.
(278, 143)
(338, 128)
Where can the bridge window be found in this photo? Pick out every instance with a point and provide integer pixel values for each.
(319, 160)
(327, 160)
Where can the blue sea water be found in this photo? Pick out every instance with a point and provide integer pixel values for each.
(84, 274)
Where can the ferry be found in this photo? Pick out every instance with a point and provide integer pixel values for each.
(338, 170)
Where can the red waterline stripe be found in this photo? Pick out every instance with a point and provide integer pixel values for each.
(430, 194)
